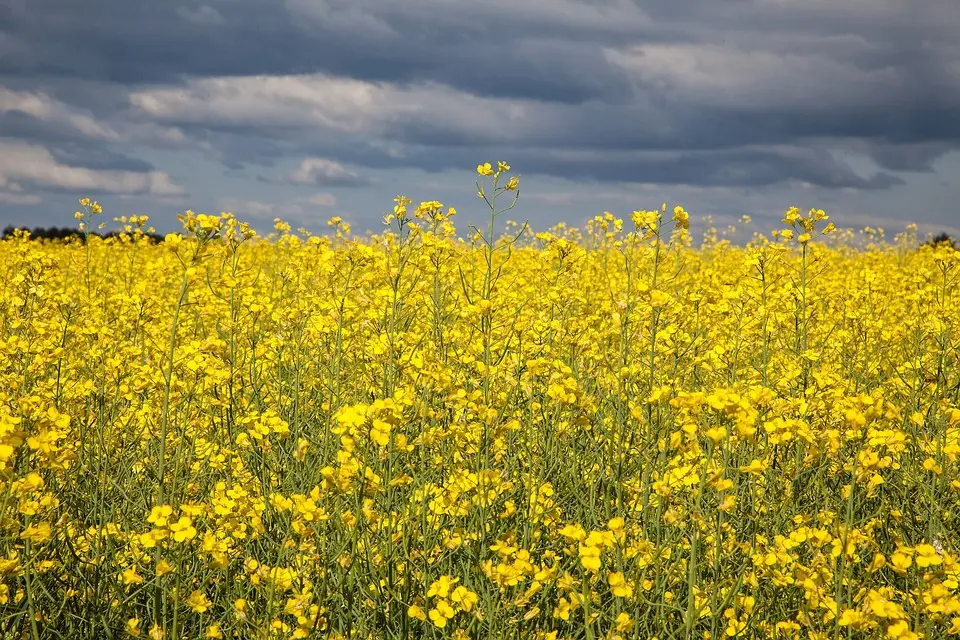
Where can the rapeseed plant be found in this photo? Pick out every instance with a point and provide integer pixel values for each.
(597, 433)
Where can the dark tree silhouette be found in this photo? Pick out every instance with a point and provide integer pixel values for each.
(66, 233)
(943, 239)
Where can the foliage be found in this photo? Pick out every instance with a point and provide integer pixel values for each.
(943, 239)
(63, 233)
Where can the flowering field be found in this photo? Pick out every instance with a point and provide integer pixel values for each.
(612, 432)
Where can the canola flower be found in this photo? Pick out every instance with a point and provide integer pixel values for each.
(597, 433)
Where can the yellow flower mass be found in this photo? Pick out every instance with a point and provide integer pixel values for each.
(616, 431)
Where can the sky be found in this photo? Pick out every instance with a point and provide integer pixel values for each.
(308, 109)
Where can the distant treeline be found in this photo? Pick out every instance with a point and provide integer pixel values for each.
(66, 233)
(943, 238)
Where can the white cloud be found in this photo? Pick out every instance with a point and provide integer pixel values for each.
(204, 14)
(158, 136)
(253, 209)
(24, 163)
(300, 210)
(43, 107)
(319, 171)
(315, 101)
(730, 76)
(322, 200)
(51, 111)
(12, 198)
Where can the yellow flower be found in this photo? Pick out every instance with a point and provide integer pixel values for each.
(441, 587)
(734, 627)
(590, 557)
(729, 501)
(485, 169)
(563, 609)
(380, 432)
(619, 586)
(130, 576)
(415, 611)
(927, 556)
(851, 618)
(756, 467)
(901, 629)
(198, 602)
(183, 529)
(159, 515)
(573, 532)
(464, 598)
(441, 612)
(716, 434)
(163, 568)
(901, 560)
(877, 563)
(38, 533)
(133, 627)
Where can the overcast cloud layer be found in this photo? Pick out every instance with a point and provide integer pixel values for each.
(305, 109)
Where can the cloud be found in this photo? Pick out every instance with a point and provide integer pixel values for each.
(334, 104)
(203, 14)
(720, 75)
(301, 209)
(23, 164)
(920, 156)
(14, 198)
(38, 115)
(98, 158)
(741, 144)
(256, 210)
(13, 193)
(322, 200)
(320, 171)
(44, 108)
(556, 16)
(839, 97)
(743, 167)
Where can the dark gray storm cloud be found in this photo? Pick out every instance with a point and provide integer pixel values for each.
(326, 93)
